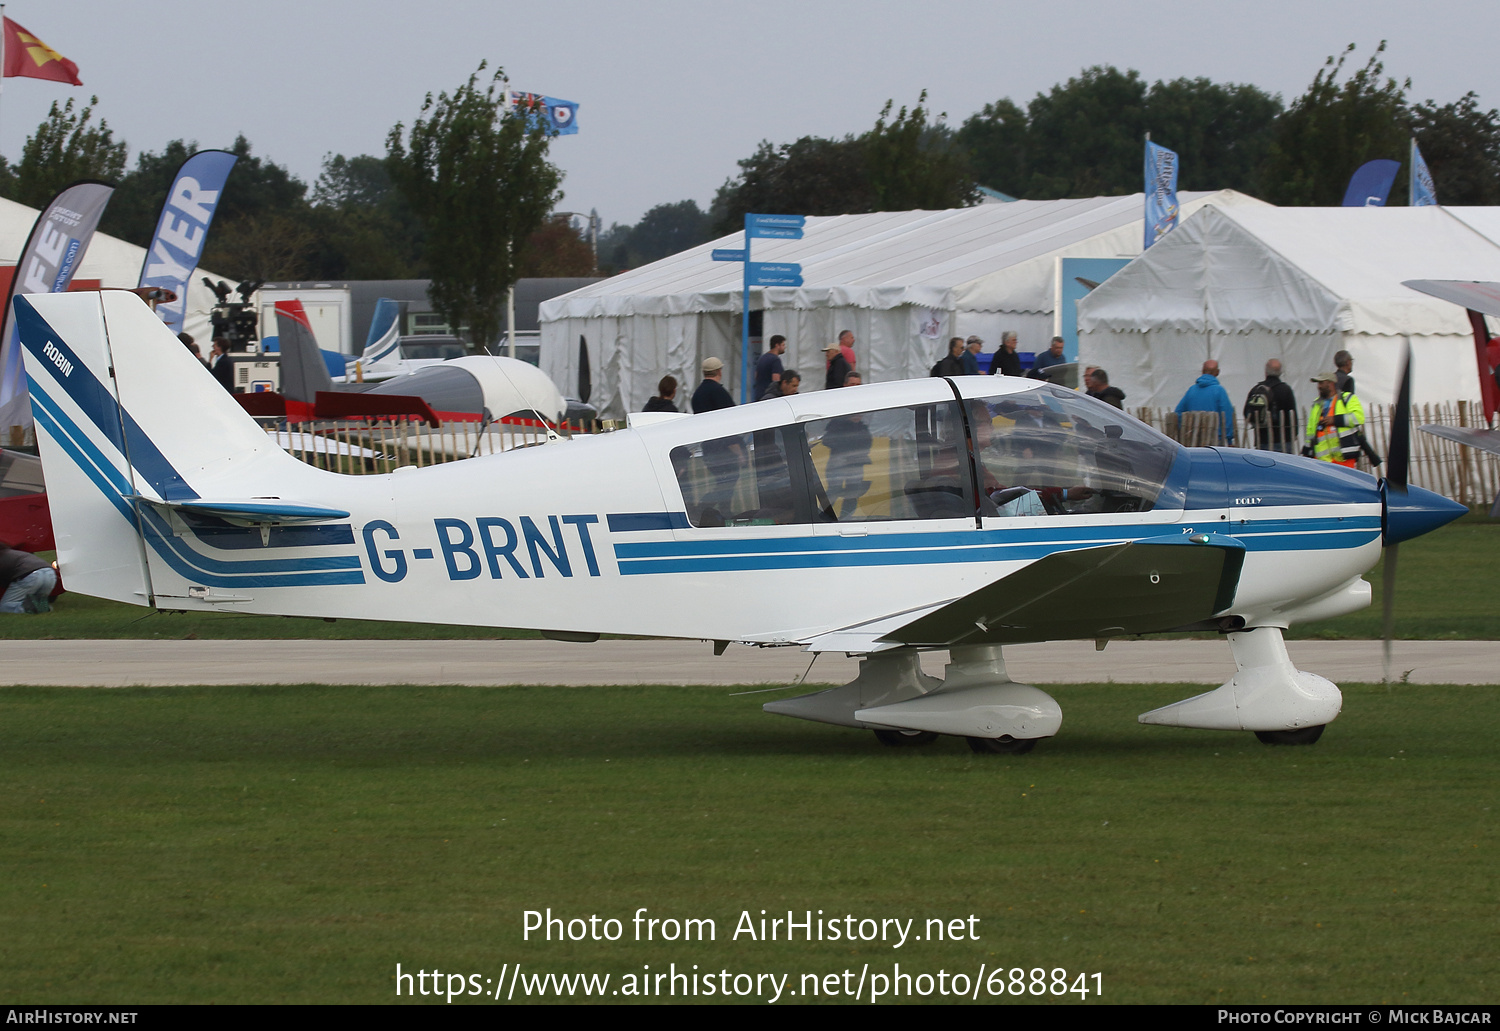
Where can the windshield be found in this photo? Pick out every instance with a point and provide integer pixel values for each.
(1074, 454)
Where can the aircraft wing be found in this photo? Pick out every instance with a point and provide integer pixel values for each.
(1476, 296)
(1147, 586)
(1483, 439)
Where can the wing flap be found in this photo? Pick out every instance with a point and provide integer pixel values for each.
(1139, 587)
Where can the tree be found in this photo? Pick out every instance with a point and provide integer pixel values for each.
(667, 229)
(480, 182)
(261, 228)
(996, 140)
(360, 181)
(1332, 129)
(133, 209)
(1221, 132)
(1461, 145)
(1085, 137)
(556, 249)
(812, 176)
(911, 164)
(63, 149)
(365, 228)
(901, 163)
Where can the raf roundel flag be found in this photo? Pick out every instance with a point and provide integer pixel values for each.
(559, 116)
(563, 115)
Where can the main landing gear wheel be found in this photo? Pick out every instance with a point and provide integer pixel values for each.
(1006, 745)
(899, 738)
(1300, 736)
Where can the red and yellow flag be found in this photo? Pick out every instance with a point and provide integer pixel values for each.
(26, 55)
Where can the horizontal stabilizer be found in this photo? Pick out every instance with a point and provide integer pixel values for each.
(1139, 587)
(256, 511)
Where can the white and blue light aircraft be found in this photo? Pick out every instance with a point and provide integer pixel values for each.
(963, 514)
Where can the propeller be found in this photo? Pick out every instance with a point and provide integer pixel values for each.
(1397, 462)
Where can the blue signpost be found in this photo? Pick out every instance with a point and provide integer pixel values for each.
(762, 273)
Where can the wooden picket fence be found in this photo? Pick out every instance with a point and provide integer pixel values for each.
(1465, 474)
(357, 446)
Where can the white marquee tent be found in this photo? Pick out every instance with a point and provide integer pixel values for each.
(903, 282)
(1243, 284)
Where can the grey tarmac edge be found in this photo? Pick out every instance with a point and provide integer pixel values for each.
(672, 662)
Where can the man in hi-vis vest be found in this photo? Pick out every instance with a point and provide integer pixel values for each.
(1335, 424)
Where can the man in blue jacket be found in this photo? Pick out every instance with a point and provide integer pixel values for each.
(1207, 395)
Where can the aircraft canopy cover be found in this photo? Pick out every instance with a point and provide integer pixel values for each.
(506, 386)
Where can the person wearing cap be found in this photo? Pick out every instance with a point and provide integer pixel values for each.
(711, 395)
(970, 357)
(838, 366)
(1335, 423)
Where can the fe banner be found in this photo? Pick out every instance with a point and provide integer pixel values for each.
(182, 228)
(1161, 192)
(52, 254)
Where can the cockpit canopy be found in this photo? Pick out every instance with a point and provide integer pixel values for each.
(1041, 451)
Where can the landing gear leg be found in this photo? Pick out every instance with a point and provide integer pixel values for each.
(1268, 695)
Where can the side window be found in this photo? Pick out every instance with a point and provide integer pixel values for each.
(751, 479)
(897, 463)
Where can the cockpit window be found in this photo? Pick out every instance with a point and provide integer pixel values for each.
(744, 480)
(1054, 451)
(898, 463)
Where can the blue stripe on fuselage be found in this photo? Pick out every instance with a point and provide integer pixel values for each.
(967, 546)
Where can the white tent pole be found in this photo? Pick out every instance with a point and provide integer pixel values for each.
(510, 319)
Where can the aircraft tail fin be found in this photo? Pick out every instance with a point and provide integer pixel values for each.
(384, 340)
(303, 371)
(145, 453)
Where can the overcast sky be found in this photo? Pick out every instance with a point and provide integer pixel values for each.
(671, 93)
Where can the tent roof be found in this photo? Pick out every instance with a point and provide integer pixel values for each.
(949, 259)
(1304, 270)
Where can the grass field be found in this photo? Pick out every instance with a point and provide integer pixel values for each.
(1448, 589)
(295, 844)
